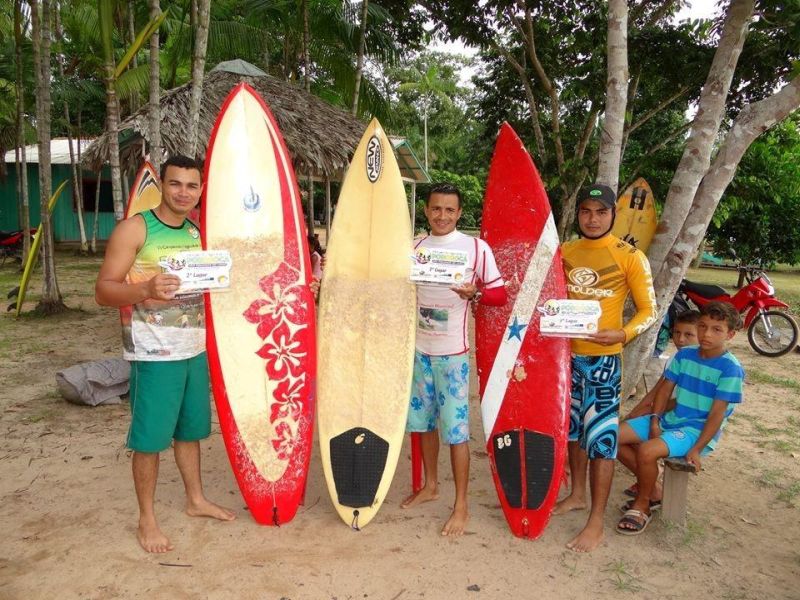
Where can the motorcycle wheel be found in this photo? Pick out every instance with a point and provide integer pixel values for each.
(773, 333)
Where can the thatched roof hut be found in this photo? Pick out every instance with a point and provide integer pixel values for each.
(321, 138)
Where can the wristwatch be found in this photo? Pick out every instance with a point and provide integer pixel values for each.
(476, 297)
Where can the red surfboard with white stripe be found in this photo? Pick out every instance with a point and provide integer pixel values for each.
(261, 331)
(524, 377)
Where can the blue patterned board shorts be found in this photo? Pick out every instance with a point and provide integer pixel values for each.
(594, 407)
(440, 392)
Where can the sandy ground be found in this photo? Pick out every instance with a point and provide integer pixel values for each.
(68, 512)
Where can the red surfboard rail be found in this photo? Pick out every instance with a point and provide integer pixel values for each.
(283, 316)
(524, 377)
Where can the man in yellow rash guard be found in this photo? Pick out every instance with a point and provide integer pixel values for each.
(600, 266)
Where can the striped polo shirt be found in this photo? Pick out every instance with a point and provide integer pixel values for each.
(698, 382)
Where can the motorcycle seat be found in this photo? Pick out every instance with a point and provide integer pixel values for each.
(704, 290)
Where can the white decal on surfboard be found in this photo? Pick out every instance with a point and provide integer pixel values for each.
(516, 328)
(374, 159)
(251, 201)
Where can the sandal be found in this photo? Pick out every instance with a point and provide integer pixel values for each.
(633, 523)
(631, 491)
(654, 505)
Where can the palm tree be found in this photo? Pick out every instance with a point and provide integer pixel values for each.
(200, 18)
(154, 107)
(429, 87)
(22, 171)
(51, 300)
(360, 57)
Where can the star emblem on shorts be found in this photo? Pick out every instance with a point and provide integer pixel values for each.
(515, 329)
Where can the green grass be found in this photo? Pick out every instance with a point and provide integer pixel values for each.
(756, 376)
(789, 493)
(770, 478)
(623, 580)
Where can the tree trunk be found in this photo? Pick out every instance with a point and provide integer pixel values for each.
(154, 108)
(692, 220)
(710, 111)
(25, 221)
(96, 221)
(616, 95)
(77, 199)
(360, 58)
(51, 301)
(306, 50)
(135, 62)
(112, 107)
(198, 69)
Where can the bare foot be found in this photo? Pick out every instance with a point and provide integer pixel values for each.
(457, 521)
(588, 539)
(568, 504)
(426, 494)
(152, 539)
(205, 508)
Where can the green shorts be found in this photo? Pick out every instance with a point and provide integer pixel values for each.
(169, 400)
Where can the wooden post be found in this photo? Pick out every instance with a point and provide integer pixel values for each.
(413, 208)
(327, 210)
(310, 204)
(676, 484)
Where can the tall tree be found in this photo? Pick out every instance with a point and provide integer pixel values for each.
(154, 106)
(616, 96)
(77, 199)
(51, 300)
(201, 9)
(105, 11)
(23, 163)
(362, 42)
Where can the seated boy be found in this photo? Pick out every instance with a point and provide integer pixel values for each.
(707, 380)
(683, 333)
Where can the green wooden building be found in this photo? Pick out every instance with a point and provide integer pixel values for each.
(65, 214)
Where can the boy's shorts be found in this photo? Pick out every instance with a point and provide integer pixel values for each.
(594, 406)
(440, 392)
(679, 441)
(169, 400)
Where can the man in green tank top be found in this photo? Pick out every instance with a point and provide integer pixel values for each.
(164, 339)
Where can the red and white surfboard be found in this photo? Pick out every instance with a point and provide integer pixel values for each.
(524, 377)
(260, 332)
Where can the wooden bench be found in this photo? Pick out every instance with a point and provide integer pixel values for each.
(676, 483)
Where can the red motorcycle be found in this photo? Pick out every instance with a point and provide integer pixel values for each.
(771, 332)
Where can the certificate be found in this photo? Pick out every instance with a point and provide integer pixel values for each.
(569, 318)
(433, 266)
(200, 270)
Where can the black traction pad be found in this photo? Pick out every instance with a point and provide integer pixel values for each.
(358, 459)
(508, 463)
(539, 463)
(539, 451)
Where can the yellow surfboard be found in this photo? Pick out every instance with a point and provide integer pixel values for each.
(34, 252)
(636, 220)
(365, 344)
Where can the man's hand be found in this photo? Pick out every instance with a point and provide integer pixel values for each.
(607, 337)
(693, 458)
(163, 286)
(466, 291)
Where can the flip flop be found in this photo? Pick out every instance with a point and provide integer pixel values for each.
(654, 505)
(636, 520)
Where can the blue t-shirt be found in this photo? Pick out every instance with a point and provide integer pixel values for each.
(698, 382)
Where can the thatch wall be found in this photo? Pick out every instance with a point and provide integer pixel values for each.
(321, 138)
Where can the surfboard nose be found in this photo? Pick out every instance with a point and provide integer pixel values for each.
(358, 459)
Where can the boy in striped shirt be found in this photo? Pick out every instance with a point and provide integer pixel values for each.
(707, 380)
